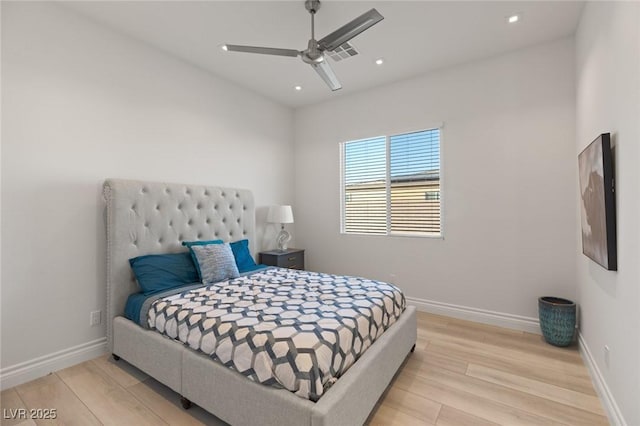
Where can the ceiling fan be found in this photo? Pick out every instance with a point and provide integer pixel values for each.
(316, 52)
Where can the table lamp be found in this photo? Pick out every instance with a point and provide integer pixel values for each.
(281, 215)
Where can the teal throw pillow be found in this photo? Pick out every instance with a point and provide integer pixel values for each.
(157, 272)
(241, 252)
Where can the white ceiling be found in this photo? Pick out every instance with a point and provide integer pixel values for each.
(414, 37)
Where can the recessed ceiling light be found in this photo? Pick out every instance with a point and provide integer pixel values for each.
(513, 19)
(224, 47)
(298, 88)
(379, 61)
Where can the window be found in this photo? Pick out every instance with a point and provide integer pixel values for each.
(391, 185)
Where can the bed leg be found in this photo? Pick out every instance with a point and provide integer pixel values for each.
(186, 404)
(115, 357)
(413, 348)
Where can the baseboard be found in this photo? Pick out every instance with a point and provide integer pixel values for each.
(18, 374)
(610, 406)
(500, 319)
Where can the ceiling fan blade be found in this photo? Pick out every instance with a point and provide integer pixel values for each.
(261, 50)
(324, 70)
(350, 30)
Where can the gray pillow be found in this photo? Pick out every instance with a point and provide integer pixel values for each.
(215, 262)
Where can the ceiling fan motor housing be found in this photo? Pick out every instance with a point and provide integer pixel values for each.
(312, 55)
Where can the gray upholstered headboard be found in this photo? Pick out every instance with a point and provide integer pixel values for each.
(151, 217)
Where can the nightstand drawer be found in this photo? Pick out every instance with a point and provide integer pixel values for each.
(290, 258)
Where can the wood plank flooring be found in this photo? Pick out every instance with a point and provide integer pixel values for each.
(462, 373)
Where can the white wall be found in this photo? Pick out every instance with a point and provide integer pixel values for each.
(81, 103)
(509, 168)
(608, 100)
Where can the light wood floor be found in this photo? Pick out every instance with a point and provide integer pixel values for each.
(462, 373)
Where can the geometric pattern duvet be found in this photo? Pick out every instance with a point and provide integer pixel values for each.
(287, 328)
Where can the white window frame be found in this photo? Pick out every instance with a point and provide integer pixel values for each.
(440, 236)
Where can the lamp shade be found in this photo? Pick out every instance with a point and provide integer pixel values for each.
(280, 214)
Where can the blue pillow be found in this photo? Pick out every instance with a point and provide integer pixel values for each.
(215, 262)
(241, 252)
(157, 272)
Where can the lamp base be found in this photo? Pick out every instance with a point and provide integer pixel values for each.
(283, 239)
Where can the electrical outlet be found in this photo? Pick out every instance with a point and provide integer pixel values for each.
(95, 318)
(606, 355)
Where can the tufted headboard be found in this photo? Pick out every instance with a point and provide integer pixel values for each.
(151, 217)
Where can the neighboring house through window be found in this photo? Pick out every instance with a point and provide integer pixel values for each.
(391, 185)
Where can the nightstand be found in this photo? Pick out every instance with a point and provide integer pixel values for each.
(290, 258)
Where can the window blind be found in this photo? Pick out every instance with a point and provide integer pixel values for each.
(365, 176)
(391, 184)
(415, 182)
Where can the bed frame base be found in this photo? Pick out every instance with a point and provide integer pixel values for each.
(237, 400)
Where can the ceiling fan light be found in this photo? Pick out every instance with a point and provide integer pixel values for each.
(224, 47)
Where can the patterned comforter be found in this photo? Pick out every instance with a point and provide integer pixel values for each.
(294, 329)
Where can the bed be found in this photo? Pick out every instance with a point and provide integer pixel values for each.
(151, 218)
